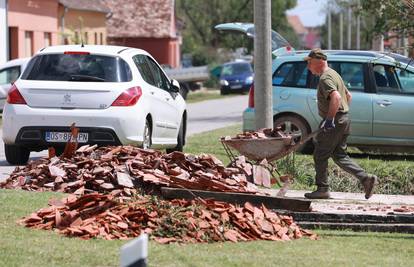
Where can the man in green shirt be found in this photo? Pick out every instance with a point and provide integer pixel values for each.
(333, 106)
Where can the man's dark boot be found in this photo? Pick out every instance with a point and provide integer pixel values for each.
(320, 193)
(369, 184)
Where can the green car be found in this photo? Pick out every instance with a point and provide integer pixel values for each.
(382, 87)
(382, 108)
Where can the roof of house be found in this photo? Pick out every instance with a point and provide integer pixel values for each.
(141, 18)
(296, 24)
(87, 5)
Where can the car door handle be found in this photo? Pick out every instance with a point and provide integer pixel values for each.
(152, 92)
(167, 98)
(314, 98)
(384, 103)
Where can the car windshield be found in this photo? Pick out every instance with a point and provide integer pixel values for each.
(277, 40)
(237, 68)
(77, 67)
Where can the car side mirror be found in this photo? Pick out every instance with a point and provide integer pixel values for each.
(175, 86)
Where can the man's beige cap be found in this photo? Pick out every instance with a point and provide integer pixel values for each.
(316, 53)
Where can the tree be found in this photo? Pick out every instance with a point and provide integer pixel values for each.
(393, 18)
(341, 6)
(391, 15)
(200, 16)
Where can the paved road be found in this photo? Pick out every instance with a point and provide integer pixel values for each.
(202, 116)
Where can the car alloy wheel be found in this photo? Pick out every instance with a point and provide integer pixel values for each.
(295, 127)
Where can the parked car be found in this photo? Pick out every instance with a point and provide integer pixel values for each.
(236, 77)
(115, 96)
(9, 72)
(382, 98)
(381, 83)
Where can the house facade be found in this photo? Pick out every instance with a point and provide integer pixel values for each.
(82, 21)
(32, 25)
(4, 46)
(145, 24)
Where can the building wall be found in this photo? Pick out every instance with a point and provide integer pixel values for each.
(29, 23)
(88, 23)
(3, 32)
(164, 50)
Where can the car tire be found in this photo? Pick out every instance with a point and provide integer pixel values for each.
(180, 140)
(16, 155)
(223, 91)
(147, 135)
(293, 125)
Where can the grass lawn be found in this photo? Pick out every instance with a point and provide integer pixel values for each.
(204, 94)
(20, 246)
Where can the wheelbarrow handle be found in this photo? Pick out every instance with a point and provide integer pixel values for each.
(294, 147)
(308, 137)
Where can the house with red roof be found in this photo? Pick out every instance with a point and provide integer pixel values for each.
(145, 24)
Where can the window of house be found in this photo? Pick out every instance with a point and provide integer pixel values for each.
(47, 36)
(101, 37)
(28, 43)
(96, 38)
(292, 74)
(77, 38)
(85, 39)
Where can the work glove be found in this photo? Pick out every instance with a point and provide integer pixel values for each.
(328, 124)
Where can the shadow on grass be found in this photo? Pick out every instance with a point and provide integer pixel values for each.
(369, 234)
(389, 157)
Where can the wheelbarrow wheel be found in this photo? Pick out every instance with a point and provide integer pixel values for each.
(296, 127)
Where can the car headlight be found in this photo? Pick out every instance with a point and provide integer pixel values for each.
(224, 82)
(249, 80)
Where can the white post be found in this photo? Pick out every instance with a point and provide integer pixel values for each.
(263, 64)
(135, 252)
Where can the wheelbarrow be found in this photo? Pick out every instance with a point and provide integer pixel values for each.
(271, 149)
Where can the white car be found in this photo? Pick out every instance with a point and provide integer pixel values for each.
(114, 95)
(9, 72)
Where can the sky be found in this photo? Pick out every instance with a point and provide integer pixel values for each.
(310, 12)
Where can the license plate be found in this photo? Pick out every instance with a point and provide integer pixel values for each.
(237, 86)
(61, 137)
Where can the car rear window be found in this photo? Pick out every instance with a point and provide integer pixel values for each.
(77, 67)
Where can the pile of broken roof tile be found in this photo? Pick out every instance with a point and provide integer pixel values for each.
(105, 202)
(184, 221)
(259, 134)
(121, 168)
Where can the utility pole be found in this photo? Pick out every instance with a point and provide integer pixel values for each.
(348, 46)
(341, 30)
(263, 64)
(358, 28)
(329, 25)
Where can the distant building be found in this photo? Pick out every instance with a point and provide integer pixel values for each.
(82, 21)
(32, 25)
(146, 24)
(309, 37)
(4, 46)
